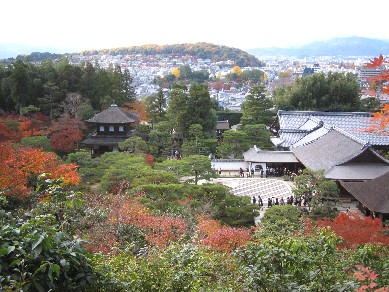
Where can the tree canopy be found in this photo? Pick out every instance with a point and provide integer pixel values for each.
(320, 92)
(257, 108)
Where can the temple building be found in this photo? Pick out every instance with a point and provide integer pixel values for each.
(110, 127)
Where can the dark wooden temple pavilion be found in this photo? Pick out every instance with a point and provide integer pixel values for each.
(110, 127)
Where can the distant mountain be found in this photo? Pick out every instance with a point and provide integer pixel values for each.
(201, 50)
(345, 47)
(12, 50)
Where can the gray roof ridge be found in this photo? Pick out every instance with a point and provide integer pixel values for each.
(323, 113)
(293, 131)
(372, 151)
(319, 122)
(309, 132)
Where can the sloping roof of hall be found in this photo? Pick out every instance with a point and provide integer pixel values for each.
(114, 115)
(257, 155)
(334, 147)
(374, 194)
(103, 141)
(297, 128)
(366, 165)
(223, 125)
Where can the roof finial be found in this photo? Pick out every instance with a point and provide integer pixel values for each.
(113, 103)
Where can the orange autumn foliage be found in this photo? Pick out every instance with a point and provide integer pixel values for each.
(138, 109)
(379, 84)
(34, 125)
(222, 238)
(367, 279)
(356, 230)
(21, 165)
(377, 62)
(159, 230)
(149, 159)
(7, 134)
(13, 127)
(382, 120)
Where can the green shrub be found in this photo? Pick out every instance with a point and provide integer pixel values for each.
(36, 256)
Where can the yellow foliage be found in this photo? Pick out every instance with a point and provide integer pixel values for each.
(237, 70)
(176, 72)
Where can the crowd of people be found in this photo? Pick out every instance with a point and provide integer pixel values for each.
(291, 200)
(270, 172)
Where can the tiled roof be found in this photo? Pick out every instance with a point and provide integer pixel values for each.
(374, 194)
(254, 155)
(114, 115)
(357, 171)
(327, 151)
(342, 156)
(308, 138)
(103, 141)
(294, 125)
(223, 125)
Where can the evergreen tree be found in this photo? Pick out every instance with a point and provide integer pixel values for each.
(156, 106)
(20, 84)
(320, 92)
(201, 109)
(257, 109)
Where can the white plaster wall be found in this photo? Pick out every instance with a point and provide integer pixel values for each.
(229, 165)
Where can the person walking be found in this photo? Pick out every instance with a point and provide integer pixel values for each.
(269, 202)
(260, 202)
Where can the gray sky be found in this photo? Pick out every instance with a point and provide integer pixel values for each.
(245, 24)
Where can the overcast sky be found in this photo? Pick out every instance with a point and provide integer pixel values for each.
(245, 24)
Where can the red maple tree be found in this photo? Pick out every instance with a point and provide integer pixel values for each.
(20, 166)
(356, 230)
(65, 133)
(222, 238)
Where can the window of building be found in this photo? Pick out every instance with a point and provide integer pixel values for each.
(101, 128)
(121, 129)
(111, 129)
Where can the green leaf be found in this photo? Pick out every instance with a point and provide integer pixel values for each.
(15, 263)
(10, 249)
(37, 251)
(54, 269)
(37, 242)
(78, 202)
(3, 251)
(63, 262)
(39, 287)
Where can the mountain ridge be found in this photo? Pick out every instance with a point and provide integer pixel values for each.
(340, 46)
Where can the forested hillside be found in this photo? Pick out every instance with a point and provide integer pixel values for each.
(200, 50)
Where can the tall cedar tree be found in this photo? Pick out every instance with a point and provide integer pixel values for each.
(257, 109)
